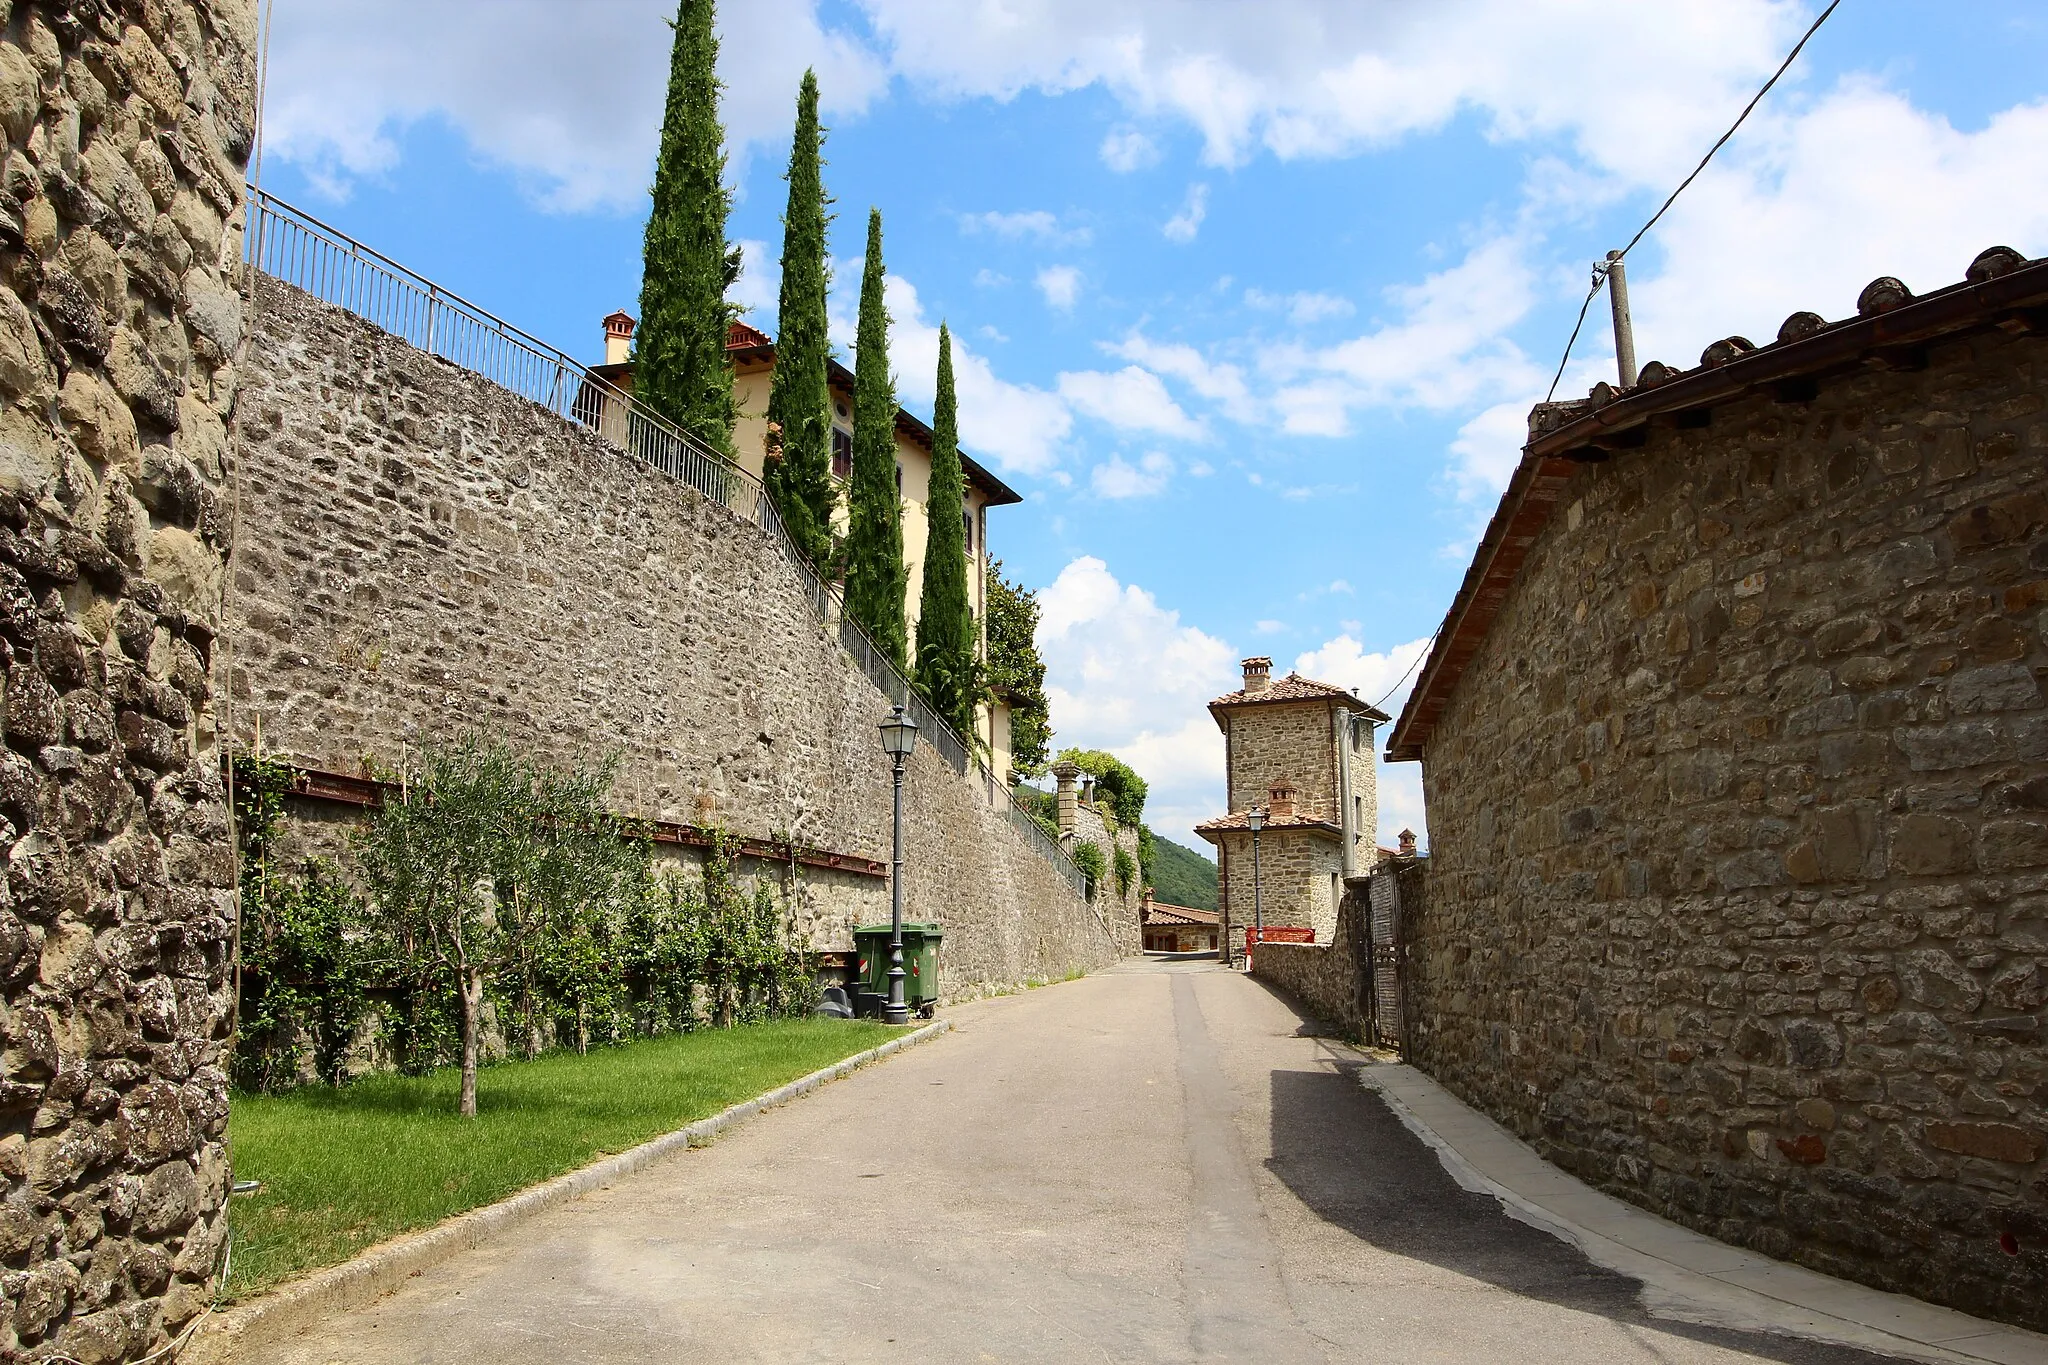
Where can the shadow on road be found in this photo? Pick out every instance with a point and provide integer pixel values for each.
(1346, 1156)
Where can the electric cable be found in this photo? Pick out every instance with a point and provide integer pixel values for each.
(1412, 665)
(1600, 270)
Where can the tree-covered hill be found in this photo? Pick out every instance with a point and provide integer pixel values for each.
(1181, 876)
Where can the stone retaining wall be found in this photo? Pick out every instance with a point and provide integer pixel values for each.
(1328, 980)
(1739, 823)
(422, 552)
(126, 129)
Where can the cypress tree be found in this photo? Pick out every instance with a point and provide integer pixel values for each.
(799, 399)
(945, 619)
(875, 577)
(680, 367)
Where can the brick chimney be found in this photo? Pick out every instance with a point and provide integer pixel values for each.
(1407, 843)
(1257, 673)
(1280, 801)
(1065, 771)
(1145, 904)
(618, 337)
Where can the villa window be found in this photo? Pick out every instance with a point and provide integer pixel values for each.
(967, 530)
(842, 454)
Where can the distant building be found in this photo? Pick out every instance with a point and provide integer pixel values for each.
(1177, 928)
(1300, 752)
(753, 359)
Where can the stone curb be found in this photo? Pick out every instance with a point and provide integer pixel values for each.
(376, 1272)
(1806, 1304)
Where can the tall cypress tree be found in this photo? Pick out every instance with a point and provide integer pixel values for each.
(799, 399)
(875, 577)
(945, 618)
(680, 367)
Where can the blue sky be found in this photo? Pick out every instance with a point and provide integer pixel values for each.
(1254, 298)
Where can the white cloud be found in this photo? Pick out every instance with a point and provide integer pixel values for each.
(1269, 627)
(759, 288)
(989, 279)
(1183, 226)
(1446, 350)
(1302, 309)
(1221, 383)
(572, 108)
(1384, 679)
(1130, 399)
(1037, 223)
(1018, 426)
(1201, 469)
(1061, 285)
(1124, 674)
(1305, 78)
(1126, 149)
(1117, 478)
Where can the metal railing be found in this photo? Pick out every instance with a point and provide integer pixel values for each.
(300, 250)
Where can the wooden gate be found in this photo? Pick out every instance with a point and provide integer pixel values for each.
(1384, 914)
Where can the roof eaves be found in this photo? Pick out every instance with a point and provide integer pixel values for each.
(1882, 335)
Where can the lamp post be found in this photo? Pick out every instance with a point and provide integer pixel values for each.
(899, 737)
(1256, 819)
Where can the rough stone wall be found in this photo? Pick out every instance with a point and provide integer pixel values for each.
(423, 553)
(1740, 824)
(1328, 980)
(1359, 752)
(127, 126)
(1284, 742)
(1090, 827)
(1295, 872)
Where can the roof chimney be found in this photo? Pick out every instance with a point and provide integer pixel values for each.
(1280, 804)
(1257, 673)
(1407, 843)
(618, 337)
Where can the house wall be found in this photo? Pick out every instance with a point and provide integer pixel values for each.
(1739, 895)
(127, 129)
(750, 433)
(422, 553)
(1295, 872)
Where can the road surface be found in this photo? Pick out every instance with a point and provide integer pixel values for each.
(1153, 1164)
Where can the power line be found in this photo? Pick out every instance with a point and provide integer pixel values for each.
(1600, 270)
(1420, 655)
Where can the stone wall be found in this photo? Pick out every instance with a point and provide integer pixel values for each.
(1327, 980)
(1299, 881)
(1090, 827)
(423, 553)
(1739, 900)
(127, 126)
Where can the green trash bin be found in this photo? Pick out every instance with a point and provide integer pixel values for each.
(920, 962)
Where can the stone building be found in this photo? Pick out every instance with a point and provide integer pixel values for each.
(127, 127)
(1177, 928)
(1301, 752)
(753, 359)
(1735, 750)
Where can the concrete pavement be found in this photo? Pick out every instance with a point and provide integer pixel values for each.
(1151, 1164)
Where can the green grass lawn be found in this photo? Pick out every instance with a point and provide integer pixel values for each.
(342, 1169)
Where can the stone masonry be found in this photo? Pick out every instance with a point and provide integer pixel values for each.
(1739, 810)
(1328, 980)
(423, 553)
(127, 126)
(1301, 751)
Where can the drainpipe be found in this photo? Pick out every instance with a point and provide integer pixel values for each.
(1340, 728)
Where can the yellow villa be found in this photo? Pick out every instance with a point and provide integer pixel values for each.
(753, 360)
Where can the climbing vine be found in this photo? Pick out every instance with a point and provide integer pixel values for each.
(1088, 857)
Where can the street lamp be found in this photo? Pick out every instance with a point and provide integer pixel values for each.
(1256, 819)
(899, 737)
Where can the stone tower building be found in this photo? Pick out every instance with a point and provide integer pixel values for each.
(1301, 752)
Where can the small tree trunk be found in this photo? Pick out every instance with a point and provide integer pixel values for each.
(472, 1011)
(582, 1029)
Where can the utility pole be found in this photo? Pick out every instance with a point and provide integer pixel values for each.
(1624, 330)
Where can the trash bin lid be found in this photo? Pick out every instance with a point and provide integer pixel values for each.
(923, 928)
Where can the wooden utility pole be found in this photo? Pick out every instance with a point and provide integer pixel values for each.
(1624, 331)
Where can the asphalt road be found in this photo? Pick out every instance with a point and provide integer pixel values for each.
(1152, 1164)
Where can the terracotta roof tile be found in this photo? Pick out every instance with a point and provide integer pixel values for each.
(1294, 687)
(1180, 914)
(1236, 820)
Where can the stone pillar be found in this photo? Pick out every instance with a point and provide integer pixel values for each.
(127, 130)
(1068, 800)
